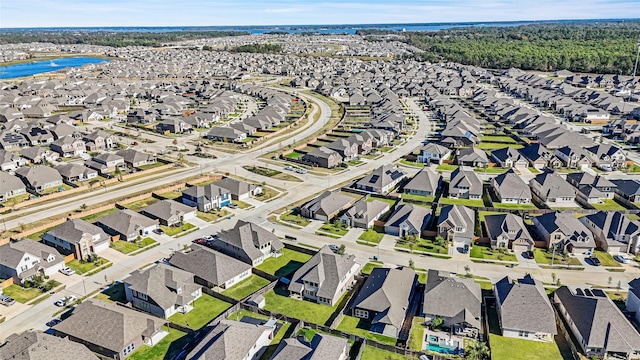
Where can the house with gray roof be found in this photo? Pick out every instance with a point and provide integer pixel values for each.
(23, 259)
(509, 188)
(39, 155)
(12, 186)
(565, 231)
(552, 190)
(211, 268)
(408, 219)
(456, 223)
(347, 149)
(598, 325)
(106, 163)
(524, 310)
(472, 157)
(613, 232)
(633, 298)
(364, 213)
(99, 140)
(68, 146)
(239, 189)
(607, 157)
(326, 206)
(425, 183)
(36, 345)
(162, 290)
(110, 330)
(323, 157)
(433, 153)
(126, 224)
(169, 212)
(627, 189)
(537, 155)
(134, 158)
(465, 185)
(39, 178)
(509, 157)
(381, 180)
(248, 242)
(207, 197)
(77, 237)
(591, 189)
(324, 278)
(384, 299)
(509, 232)
(72, 173)
(226, 134)
(10, 161)
(321, 347)
(234, 340)
(573, 156)
(455, 300)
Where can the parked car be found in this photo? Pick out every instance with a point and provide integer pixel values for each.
(208, 238)
(60, 302)
(158, 231)
(333, 247)
(67, 271)
(594, 261)
(529, 254)
(7, 300)
(71, 299)
(233, 205)
(622, 258)
(200, 241)
(288, 167)
(53, 322)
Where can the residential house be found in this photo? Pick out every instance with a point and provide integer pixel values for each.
(211, 269)
(206, 198)
(36, 345)
(573, 156)
(433, 153)
(99, 140)
(465, 185)
(633, 299)
(565, 231)
(226, 134)
(12, 141)
(162, 290)
(627, 190)
(597, 324)
(364, 213)
(240, 190)
(77, 237)
(457, 301)
(12, 186)
(72, 173)
(248, 242)
(173, 126)
(39, 155)
(321, 347)
(537, 155)
(509, 232)
(613, 231)
(509, 157)
(323, 157)
(106, 163)
(591, 189)
(23, 259)
(68, 146)
(169, 212)
(408, 219)
(326, 206)
(127, 225)
(472, 157)
(110, 330)
(134, 158)
(425, 183)
(384, 298)
(37, 136)
(39, 178)
(456, 223)
(607, 157)
(381, 180)
(10, 161)
(348, 150)
(234, 340)
(324, 278)
(524, 310)
(509, 188)
(552, 190)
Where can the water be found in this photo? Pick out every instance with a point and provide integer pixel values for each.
(40, 67)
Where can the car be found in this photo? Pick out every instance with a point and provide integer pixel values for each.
(594, 261)
(200, 241)
(622, 258)
(60, 302)
(53, 322)
(71, 299)
(528, 254)
(67, 271)
(333, 247)
(207, 238)
(233, 205)
(135, 143)
(158, 231)
(7, 300)
(288, 167)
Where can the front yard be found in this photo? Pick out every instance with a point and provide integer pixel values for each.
(84, 267)
(336, 229)
(544, 257)
(175, 230)
(606, 259)
(284, 264)
(368, 267)
(295, 219)
(485, 252)
(360, 327)
(126, 247)
(371, 236)
(304, 310)
(246, 287)
(423, 245)
(20, 294)
(213, 215)
(205, 309)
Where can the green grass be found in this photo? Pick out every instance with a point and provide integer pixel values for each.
(491, 138)
(285, 264)
(241, 204)
(37, 236)
(609, 204)
(175, 230)
(371, 236)
(113, 294)
(267, 194)
(299, 309)
(633, 168)
(294, 155)
(418, 197)
(81, 268)
(417, 334)
(93, 217)
(491, 170)
(332, 229)
(295, 219)
(533, 170)
(360, 327)
(499, 205)
(482, 214)
(140, 204)
(171, 195)
(20, 294)
(167, 348)
(484, 252)
(205, 309)
(213, 215)
(368, 267)
(373, 353)
(391, 202)
(606, 259)
(126, 247)
(246, 287)
(490, 146)
(411, 163)
(464, 202)
(544, 257)
(423, 245)
(446, 167)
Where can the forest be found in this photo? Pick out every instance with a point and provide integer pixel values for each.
(106, 38)
(597, 47)
(258, 48)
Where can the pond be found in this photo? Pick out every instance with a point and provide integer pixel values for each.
(39, 67)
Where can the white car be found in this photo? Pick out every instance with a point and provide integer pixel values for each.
(67, 271)
(62, 302)
(333, 247)
(208, 238)
(71, 299)
(622, 258)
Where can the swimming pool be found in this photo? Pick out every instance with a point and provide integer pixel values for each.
(440, 345)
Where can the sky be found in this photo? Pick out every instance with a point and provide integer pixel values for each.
(100, 13)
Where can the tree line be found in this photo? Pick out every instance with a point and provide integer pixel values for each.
(258, 48)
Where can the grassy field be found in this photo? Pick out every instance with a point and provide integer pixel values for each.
(544, 257)
(92, 218)
(514, 206)
(606, 259)
(411, 163)
(464, 202)
(274, 174)
(171, 195)
(368, 267)
(295, 219)
(167, 348)
(205, 309)
(20, 294)
(418, 197)
(503, 139)
(490, 146)
(285, 264)
(490, 170)
(246, 287)
(484, 252)
(360, 327)
(213, 215)
(267, 194)
(373, 353)
(126, 247)
(609, 204)
(371, 236)
(417, 334)
(424, 245)
(81, 268)
(446, 167)
(303, 310)
(336, 230)
(175, 230)
(138, 205)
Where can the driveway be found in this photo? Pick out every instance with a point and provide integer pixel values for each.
(524, 262)
(587, 264)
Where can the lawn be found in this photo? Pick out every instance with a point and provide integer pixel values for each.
(411, 163)
(490, 146)
(93, 217)
(85, 267)
(213, 215)
(275, 174)
(606, 259)
(295, 219)
(284, 264)
(37, 236)
(423, 245)
(418, 197)
(167, 348)
(464, 202)
(491, 170)
(360, 327)
(20, 294)
(371, 236)
(175, 230)
(544, 257)
(267, 193)
(484, 252)
(502, 139)
(417, 334)
(299, 309)
(205, 309)
(113, 293)
(609, 204)
(373, 353)
(499, 205)
(138, 205)
(171, 195)
(368, 267)
(126, 247)
(391, 202)
(446, 167)
(246, 287)
(339, 230)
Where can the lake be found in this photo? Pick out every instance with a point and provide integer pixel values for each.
(39, 67)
